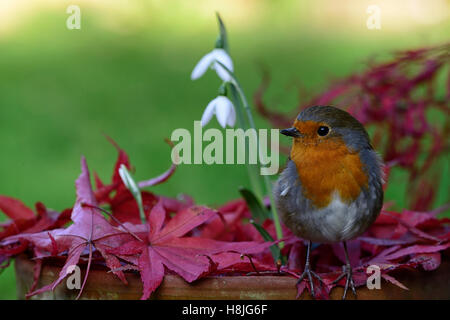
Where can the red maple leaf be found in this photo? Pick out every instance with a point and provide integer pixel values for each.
(165, 247)
(15, 209)
(90, 231)
(21, 216)
(24, 220)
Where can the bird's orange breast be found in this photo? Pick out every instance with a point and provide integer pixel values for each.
(326, 167)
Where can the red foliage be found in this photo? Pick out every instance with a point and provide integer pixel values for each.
(24, 220)
(166, 243)
(166, 246)
(192, 241)
(402, 105)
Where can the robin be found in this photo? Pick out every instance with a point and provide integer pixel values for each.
(331, 189)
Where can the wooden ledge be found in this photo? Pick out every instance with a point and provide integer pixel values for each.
(102, 285)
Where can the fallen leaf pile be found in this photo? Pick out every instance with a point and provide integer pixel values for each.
(194, 241)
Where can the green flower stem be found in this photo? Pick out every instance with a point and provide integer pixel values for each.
(132, 186)
(268, 184)
(251, 169)
(276, 219)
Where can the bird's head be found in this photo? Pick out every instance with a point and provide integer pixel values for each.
(326, 129)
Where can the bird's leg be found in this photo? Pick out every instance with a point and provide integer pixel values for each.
(346, 272)
(308, 272)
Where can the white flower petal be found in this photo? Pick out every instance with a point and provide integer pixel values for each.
(222, 56)
(231, 117)
(202, 65)
(209, 112)
(221, 72)
(223, 109)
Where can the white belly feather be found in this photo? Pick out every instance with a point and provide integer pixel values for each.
(338, 221)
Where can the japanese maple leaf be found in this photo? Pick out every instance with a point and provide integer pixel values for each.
(89, 232)
(103, 190)
(21, 216)
(165, 247)
(48, 219)
(24, 220)
(15, 209)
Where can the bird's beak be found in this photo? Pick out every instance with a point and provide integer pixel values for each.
(291, 132)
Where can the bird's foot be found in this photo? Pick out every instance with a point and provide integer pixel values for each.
(346, 272)
(310, 274)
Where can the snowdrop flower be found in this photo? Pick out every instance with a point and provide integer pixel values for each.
(128, 180)
(210, 60)
(223, 108)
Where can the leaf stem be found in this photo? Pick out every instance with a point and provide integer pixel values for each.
(113, 218)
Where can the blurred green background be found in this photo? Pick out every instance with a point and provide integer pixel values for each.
(126, 73)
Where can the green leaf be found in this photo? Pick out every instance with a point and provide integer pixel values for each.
(222, 40)
(274, 249)
(134, 189)
(259, 213)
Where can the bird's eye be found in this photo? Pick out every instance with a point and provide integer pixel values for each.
(323, 131)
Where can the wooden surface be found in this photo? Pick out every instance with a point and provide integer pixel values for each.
(103, 285)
